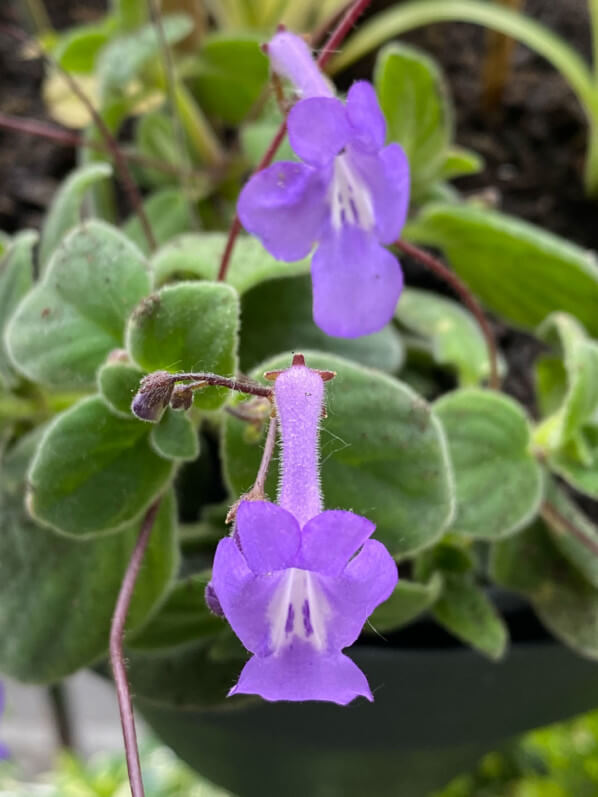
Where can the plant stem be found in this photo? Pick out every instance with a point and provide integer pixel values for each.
(71, 139)
(241, 386)
(57, 694)
(461, 289)
(339, 34)
(259, 485)
(334, 41)
(559, 522)
(407, 16)
(122, 167)
(200, 133)
(117, 660)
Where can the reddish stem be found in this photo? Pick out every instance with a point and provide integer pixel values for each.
(334, 41)
(70, 139)
(339, 34)
(559, 522)
(461, 289)
(201, 380)
(125, 705)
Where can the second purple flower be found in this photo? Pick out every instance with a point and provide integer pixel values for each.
(350, 196)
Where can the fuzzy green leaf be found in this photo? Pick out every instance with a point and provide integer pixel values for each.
(57, 595)
(408, 600)
(565, 602)
(66, 208)
(498, 481)
(192, 326)
(65, 327)
(168, 214)
(414, 100)
(118, 382)
(197, 256)
(519, 271)
(175, 437)
(454, 334)
(94, 472)
(16, 278)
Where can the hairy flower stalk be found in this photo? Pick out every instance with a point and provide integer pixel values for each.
(349, 195)
(295, 582)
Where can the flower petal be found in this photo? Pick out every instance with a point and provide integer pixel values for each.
(356, 283)
(301, 673)
(365, 116)
(318, 129)
(366, 582)
(270, 536)
(330, 539)
(284, 206)
(4, 752)
(386, 175)
(291, 58)
(244, 597)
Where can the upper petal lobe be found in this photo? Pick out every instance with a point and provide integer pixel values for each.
(318, 129)
(330, 539)
(269, 535)
(365, 116)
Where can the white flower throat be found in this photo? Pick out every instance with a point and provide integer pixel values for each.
(298, 610)
(349, 197)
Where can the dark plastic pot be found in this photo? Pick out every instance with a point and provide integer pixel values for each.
(436, 711)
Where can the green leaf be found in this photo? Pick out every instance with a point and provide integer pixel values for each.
(414, 100)
(118, 382)
(66, 326)
(156, 138)
(499, 483)
(78, 48)
(126, 56)
(188, 327)
(383, 454)
(407, 602)
(66, 209)
(563, 599)
(583, 475)
(168, 215)
(94, 471)
(175, 437)
(560, 514)
(57, 595)
(16, 278)
(454, 334)
(288, 325)
(231, 73)
(256, 137)
(466, 611)
(183, 617)
(198, 256)
(519, 271)
(459, 162)
(551, 383)
(580, 399)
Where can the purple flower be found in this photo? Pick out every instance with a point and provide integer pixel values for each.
(297, 583)
(350, 195)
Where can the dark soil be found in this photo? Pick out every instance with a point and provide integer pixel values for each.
(31, 168)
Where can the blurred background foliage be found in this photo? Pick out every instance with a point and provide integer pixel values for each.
(557, 761)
